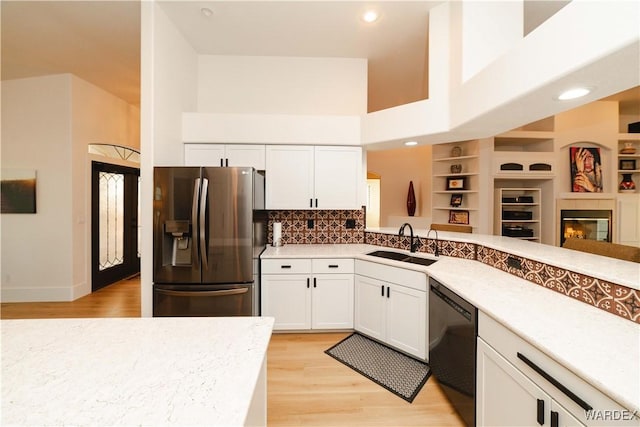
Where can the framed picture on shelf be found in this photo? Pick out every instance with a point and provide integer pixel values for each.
(456, 183)
(456, 200)
(459, 217)
(627, 164)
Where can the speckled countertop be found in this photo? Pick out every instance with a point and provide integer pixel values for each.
(612, 270)
(577, 335)
(142, 371)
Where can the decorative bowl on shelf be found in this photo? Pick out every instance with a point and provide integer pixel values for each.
(456, 151)
(457, 168)
(628, 148)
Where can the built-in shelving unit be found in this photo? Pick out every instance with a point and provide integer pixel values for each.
(629, 163)
(524, 167)
(450, 183)
(518, 212)
(524, 153)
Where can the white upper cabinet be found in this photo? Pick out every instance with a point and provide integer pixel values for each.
(231, 155)
(289, 178)
(338, 176)
(307, 177)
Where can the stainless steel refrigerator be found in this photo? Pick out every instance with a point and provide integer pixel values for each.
(209, 231)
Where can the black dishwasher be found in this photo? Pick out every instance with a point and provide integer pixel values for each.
(453, 328)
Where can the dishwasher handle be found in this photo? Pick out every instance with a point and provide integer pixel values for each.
(453, 304)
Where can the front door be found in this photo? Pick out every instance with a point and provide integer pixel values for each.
(114, 219)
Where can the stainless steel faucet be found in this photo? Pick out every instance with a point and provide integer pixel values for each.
(436, 250)
(414, 244)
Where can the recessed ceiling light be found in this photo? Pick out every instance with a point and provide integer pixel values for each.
(370, 16)
(574, 93)
(206, 11)
(410, 143)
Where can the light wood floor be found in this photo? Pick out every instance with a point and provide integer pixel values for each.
(305, 386)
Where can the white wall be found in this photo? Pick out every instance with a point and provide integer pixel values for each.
(96, 117)
(282, 85)
(491, 28)
(168, 88)
(47, 124)
(396, 168)
(174, 88)
(36, 134)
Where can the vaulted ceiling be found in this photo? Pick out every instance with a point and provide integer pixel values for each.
(99, 41)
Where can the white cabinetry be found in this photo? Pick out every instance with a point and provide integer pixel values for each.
(518, 385)
(518, 213)
(308, 294)
(225, 155)
(308, 177)
(391, 306)
(506, 397)
(628, 219)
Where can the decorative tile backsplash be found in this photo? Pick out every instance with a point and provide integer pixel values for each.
(318, 226)
(330, 227)
(446, 247)
(616, 299)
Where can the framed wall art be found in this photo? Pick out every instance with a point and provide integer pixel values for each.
(18, 188)
(456, 200)
(459, 217)
(586, 170)
(627, 164)
(456, 183)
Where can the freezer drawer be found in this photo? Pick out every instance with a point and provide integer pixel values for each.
(203, 300)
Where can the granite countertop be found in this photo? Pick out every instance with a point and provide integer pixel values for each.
(579, 336)
(151, 371)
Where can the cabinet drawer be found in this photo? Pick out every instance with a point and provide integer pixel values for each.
(332, 265)
(286, 266)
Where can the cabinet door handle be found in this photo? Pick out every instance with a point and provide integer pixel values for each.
(382, 290)
(555, 422)
(226, 162)
(316, 203)
(285, 266)
(310, 203)
(540, 415)
(314, 282)
(387, 291)
(333, 265)
(307, 282)
(571, 395)
(221, 162)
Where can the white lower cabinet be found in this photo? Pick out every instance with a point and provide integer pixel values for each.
(392, 312)
(506, 397)
(307, 294)
(518, 385)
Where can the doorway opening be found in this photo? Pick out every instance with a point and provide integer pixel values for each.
(373, 200)
(115, 228)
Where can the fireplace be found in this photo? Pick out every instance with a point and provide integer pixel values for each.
(592, 224)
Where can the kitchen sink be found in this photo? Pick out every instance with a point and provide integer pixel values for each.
(390, 255)
(398, 256)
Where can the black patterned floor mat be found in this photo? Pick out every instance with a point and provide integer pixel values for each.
(395, 371)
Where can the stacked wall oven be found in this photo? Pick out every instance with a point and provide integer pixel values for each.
(209, 230)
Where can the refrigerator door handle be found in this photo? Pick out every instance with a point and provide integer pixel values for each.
(202, 224)
(221, 293)
(194, 208)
